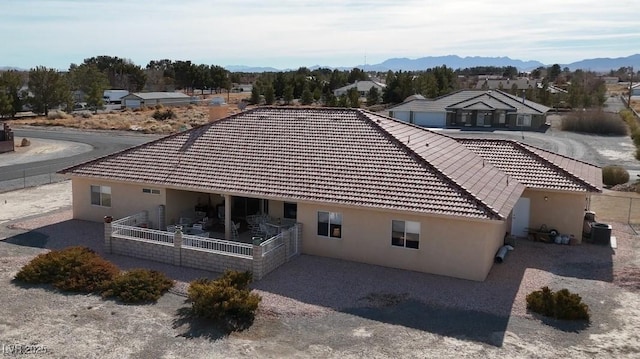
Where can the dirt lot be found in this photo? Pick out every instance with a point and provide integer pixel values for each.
(142, 120)
(318, 307)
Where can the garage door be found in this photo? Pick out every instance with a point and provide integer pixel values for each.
(430, 119)
(401, 115)
(132, 103)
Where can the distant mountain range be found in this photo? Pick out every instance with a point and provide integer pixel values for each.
(604, 64)
(456, 62)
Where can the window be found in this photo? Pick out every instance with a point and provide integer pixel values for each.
(101, 196)
(523, 120)
(151, 190)
(290, 210)
(330, 224)
(405, 234)
(486, 118)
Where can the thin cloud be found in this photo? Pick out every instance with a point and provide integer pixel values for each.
(292, 33)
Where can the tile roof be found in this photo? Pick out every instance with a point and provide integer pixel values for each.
(537, 168)
(340, 156)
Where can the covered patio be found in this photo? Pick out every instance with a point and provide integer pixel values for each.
(207, 215)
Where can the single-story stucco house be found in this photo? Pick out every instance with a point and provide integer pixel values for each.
(473, 108)
(360, 186)
(150, 99)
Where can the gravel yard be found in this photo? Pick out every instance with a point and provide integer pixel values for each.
(321, 307)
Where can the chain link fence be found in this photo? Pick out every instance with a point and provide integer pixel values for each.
(11, 180)
(621, 207)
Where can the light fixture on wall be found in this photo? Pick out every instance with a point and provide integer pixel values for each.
(546, 198)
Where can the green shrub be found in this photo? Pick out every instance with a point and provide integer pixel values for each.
(597, 122)
(227, 299)
(138, 286)
(613, 175)
(164, 115)
(77, 269)
(560, 305)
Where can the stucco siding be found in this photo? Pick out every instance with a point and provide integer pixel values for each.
(457, 248)
(126, 199)
(182, 204)
(562, 211)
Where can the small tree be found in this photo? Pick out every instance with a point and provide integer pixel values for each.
(49, 88)
(269, 95)
(354, 97)
(307, 95)
(288, 94)
(255, 95)
(373, 96)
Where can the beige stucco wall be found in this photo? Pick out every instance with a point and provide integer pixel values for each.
(182, 204)
(563, 211)
(276, 208)
(452, 247)
(126, 199)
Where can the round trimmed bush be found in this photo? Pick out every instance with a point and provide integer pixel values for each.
(613, 175)
(138, 286)
(560, 305)
(77, 269)
(227, 299)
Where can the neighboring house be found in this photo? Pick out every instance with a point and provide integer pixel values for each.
(361, 186)
(635, 90)
(6, 139)
(363, 88)
(506, 84)
(150, 99)
(473, 108)
(610, 80)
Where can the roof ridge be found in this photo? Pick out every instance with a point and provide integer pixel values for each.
(516, 98)
(523, 147)
(422, 161)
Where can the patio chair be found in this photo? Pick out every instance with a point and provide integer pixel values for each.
(234, 230)
(171, 228)
(197, 226)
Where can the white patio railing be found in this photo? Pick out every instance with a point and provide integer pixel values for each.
(133, 220)
(272, 244)
(236, 249)
(138, 233)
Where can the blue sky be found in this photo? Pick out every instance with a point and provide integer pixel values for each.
(293, 33)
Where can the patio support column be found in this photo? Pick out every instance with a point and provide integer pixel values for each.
(177, 247)
(107, 233)
(227, 217)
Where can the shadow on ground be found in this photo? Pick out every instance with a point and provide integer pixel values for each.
(193, 327)
(478, 311)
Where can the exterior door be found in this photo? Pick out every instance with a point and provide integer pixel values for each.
(520, 218)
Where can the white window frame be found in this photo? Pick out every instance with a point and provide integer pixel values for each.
(406, 237)
(104, 195)
(151, 191)
(334, 222)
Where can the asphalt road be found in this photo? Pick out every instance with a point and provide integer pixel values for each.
(103, 143)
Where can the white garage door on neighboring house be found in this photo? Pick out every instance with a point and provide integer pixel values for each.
(430, 119)
(401, 115)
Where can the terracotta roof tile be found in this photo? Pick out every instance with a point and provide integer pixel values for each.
(537, 168)
(342, 156)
